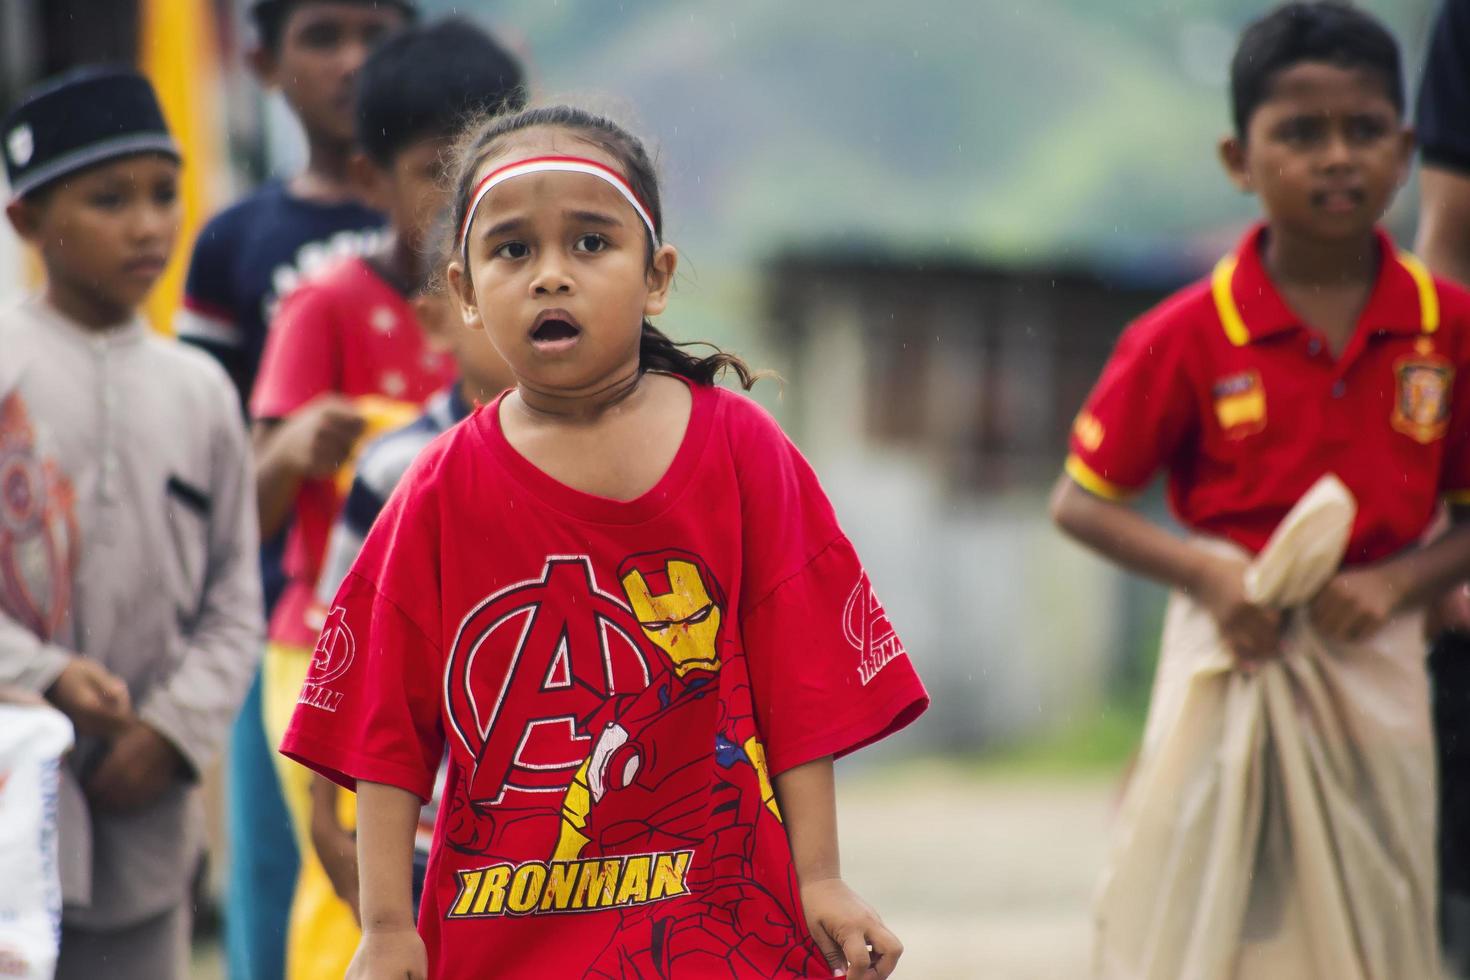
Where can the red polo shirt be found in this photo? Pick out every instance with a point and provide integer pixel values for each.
(1246, 407)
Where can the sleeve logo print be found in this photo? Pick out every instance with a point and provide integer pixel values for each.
(335, 649)
(869, 631)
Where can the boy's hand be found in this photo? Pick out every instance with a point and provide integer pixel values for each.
(137, 769)
(1450, 613)
(317, 440)
(390, 954)
(844, 927)
(95, 699)
(1355, 604)
(1253, 633)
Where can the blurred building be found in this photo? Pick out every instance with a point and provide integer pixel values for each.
(935, 398)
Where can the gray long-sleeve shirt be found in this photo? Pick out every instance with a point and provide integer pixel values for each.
(128, 536)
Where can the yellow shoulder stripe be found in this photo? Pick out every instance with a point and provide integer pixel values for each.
(1225, 306)
(1088, 479)
(1428, 295)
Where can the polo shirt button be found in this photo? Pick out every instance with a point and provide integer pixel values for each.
(1339, 389)
(1314, 347)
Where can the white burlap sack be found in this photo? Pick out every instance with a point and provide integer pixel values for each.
(32, 741)
(1280, 823)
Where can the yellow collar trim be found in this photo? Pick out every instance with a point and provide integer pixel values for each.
(1428, 295)
(1225, 306)
(1234, 324)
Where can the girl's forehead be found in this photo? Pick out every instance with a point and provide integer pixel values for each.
(544, 141)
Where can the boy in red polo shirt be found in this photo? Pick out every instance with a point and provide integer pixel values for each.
(1316, 348)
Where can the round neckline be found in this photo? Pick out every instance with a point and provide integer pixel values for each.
(593, 507)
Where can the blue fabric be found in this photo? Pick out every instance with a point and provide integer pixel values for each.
(263, 858)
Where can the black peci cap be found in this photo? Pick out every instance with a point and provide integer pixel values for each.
(79, 119)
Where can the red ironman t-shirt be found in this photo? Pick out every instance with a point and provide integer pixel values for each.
(617, 683)
(350, 332)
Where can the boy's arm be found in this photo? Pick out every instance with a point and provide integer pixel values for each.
(1360, 600)
(195, 707)
(311, 443)
(1129, 539)
(843, 925)
(391, 948)
(1444, 222)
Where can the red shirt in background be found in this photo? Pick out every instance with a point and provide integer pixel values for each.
(1246, 407)
(349, 332)
(617, 683)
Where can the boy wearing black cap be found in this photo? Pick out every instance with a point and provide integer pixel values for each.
(129, 591)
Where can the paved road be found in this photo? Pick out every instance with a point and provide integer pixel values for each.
(984, 877)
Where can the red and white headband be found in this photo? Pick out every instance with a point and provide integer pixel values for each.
(536, 165)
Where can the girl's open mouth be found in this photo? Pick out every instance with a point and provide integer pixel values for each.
(555, 330)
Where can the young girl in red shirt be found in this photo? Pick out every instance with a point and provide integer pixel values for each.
(620, 597)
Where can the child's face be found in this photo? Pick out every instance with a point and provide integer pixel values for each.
(1325, 152)
(410, 190)
(559, 273)
(480, 365)
(106, 233)
(323, 45)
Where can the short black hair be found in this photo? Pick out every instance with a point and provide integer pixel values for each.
(270, 16)
(428, 81)
(1329, 31)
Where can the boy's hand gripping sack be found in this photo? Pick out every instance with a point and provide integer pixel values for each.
(1280, 823)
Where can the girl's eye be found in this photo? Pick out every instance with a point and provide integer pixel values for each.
(107, 200)
(590, 243)
(165, 194)
(512, 250)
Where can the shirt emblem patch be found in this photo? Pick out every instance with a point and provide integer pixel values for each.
(1089, 431)
(1240, 404)
(1421, 404)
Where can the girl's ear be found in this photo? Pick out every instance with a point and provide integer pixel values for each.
(1232, 157)
(463, 292)
(660, 279)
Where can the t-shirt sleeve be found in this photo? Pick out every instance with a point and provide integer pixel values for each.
(301, 354)
(1442, 117)
(1137, 415)
(209, 316)
(369, 708)
(829, 673)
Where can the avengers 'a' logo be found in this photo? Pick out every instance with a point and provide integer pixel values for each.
(556, 648)
(867, 628)
(336, 648)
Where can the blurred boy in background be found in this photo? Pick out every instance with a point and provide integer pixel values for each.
(129, 588)
(352, 334)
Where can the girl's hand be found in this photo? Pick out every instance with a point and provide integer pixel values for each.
(844, 927)
(1355, 604)
(1253, 633)
(390, 954)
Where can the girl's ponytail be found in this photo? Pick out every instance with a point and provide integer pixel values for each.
(656, 352)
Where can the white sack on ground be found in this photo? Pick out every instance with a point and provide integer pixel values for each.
(1280, 823)
(32, 741)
